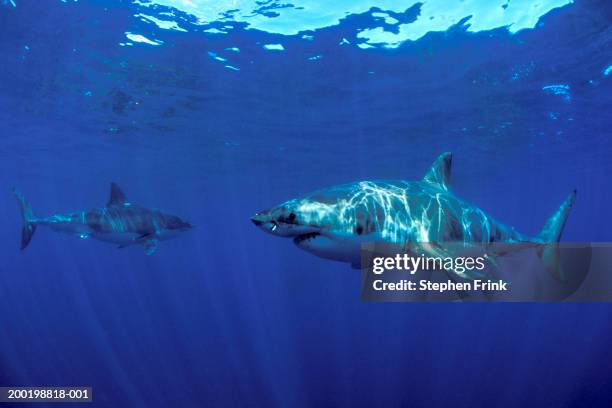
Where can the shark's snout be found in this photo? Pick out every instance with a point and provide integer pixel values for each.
(177, 224)
(257, 220)
(265, 221)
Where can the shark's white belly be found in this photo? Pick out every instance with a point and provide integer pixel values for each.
(343, 249)
(119, 238)
(127, 238)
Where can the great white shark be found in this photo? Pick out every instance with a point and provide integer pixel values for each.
(333, 223)
(119, 222)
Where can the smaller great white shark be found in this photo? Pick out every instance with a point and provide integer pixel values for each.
(119, 222)
(333, 223)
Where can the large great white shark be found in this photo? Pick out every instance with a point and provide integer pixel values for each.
(333, 223)
(119, 222)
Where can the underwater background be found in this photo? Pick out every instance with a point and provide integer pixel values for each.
(216, 110)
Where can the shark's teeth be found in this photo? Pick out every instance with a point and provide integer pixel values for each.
(305, 237)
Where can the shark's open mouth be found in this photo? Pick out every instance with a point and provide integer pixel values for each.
(305, 237)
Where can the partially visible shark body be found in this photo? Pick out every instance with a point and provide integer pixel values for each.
(119, 222)
(333, 223)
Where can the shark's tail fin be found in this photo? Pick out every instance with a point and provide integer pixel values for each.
(29, 225)
(551, 234)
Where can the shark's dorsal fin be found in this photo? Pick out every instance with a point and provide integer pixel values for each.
(116, 196)
(440, 171)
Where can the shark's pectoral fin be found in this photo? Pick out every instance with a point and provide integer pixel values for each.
(455, 251)
(149, 242)
(150, 246)
(461, 294)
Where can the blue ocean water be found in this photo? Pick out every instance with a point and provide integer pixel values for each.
(214, 126)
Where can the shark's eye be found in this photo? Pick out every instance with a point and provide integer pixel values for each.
(291, 217)
(359, 229)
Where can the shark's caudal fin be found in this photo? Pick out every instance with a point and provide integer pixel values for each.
(29, 226)
(554, 226)
(551, 234)
(440, 171)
